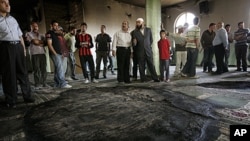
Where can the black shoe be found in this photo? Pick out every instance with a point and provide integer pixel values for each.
(29, 100)
(96, 77)
(216, 73)
(156, 80)
(128, 82)
(104, 76)
(11, 105)
(74, 78)
(238, 70)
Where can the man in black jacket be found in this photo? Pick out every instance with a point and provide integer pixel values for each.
(142, 40)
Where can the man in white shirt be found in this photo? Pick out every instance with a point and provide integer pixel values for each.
(121, 47)
(220, 44)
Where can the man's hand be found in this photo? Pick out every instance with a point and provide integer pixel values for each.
(113, 53)
(134, 42)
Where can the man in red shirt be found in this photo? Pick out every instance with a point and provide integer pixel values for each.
(84, 43)
(164, 52)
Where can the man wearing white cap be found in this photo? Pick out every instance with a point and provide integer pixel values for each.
(142, 40)
(180, 49)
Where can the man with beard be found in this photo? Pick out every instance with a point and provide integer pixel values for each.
(56, 55)
(142, 40)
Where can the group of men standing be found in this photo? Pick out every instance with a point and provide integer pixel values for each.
(218, 43)
(125, 45)
(136, 44)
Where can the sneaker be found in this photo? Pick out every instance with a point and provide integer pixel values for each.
(168, 80)
(94, 81)
(194, 77)
(86, 81)
(68, 79)
(66, 86)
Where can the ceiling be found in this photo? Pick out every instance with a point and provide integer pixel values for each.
(141, 3)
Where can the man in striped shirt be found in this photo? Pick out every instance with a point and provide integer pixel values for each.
(241, 45)
(84, 43)
(193, 43)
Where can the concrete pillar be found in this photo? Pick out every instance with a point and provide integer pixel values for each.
(153, 20)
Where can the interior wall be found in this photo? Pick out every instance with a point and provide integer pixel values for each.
(229, 11)
(110, 13)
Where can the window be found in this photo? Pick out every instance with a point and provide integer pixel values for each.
(183, 18)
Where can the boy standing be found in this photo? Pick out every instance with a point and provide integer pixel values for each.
(164, 51)
(84, 43)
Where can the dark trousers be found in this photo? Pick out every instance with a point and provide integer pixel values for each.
(135, 65)
(123, 62)
(227, 54)
(219, 52)
(84, 60)
(39, 68)
(241, 55)
(190, 66)
(111, 63)
(164, 67)
(101, 55)
(142, 60)
(13, 69)
(208, 55)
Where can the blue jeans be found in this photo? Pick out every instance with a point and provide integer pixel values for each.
(71, 65)
(59, 76)
(164, 67)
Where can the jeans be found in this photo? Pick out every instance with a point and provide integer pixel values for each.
(208, 58)
(71, 65)
(190, 66)
(59, 76)
(101, 55)
(164, 67)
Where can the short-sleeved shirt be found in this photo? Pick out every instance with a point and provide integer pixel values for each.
(51, 35)
(35, 49)
(71, 41)
(192, 34)
(164, 49)
(84, 51)
(9, 29)
(103, 42)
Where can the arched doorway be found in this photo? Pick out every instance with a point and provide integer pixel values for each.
(183, 18)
